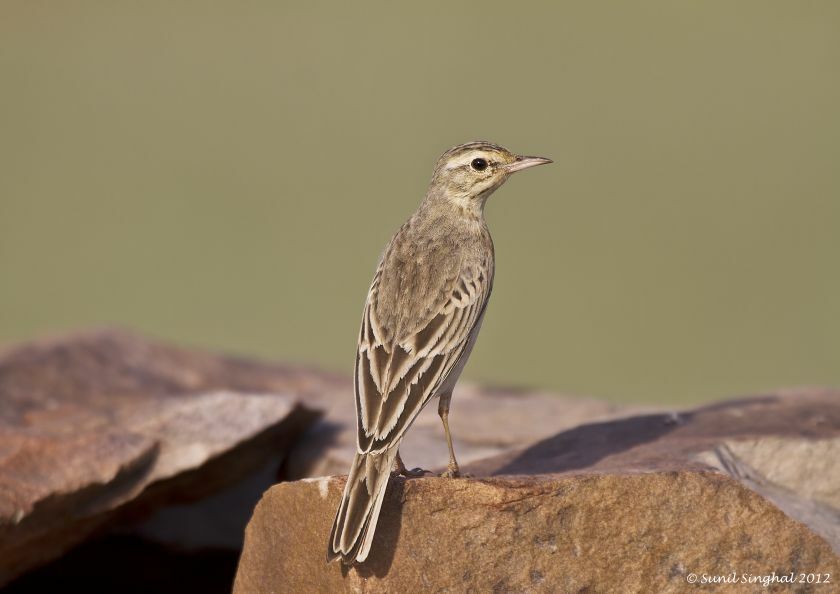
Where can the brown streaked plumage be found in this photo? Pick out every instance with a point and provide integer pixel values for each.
(421, 318)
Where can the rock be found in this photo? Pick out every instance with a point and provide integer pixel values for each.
(475, 417)
(643, 504)
(106, 426)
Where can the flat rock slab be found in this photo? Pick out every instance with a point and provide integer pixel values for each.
(106, 424)
(643, 504)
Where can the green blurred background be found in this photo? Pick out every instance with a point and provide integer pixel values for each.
(226, 174)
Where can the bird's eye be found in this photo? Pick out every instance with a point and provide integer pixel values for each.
(479, 164)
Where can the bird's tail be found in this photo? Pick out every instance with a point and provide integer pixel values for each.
(355, 522)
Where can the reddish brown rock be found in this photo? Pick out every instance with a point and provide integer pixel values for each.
(106, 425)
(643, 504)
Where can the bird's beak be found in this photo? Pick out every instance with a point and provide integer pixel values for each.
(526, 162)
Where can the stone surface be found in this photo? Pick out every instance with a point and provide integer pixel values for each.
(630, 505)
(106, 425)
(477, 413)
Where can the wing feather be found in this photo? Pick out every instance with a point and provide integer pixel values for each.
(396, 378)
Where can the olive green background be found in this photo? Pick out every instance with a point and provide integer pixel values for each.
(226, 174)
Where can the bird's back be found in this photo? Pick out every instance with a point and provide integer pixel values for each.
(422, 268)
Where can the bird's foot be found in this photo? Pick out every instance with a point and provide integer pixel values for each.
(414, 472)
(452, 471)
(401, 470)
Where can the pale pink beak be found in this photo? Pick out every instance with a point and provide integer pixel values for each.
(526, 162)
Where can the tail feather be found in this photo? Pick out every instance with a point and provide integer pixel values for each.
(355, 522)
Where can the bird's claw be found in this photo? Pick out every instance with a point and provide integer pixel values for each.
(401, 470)
(453, 472)
(413, 473)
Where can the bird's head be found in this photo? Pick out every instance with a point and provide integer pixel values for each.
(468, 173)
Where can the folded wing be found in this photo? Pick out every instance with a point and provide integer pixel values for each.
(401, 361)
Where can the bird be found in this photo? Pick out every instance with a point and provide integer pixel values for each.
(421, 318)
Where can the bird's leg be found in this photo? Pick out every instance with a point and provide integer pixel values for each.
(452, 469)
(401, 470)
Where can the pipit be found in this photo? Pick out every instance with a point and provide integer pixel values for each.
(421, 319)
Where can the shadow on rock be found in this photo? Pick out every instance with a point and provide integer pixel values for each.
(584, 446)
(132, 565)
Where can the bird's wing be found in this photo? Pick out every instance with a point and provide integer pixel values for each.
(402, 357)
